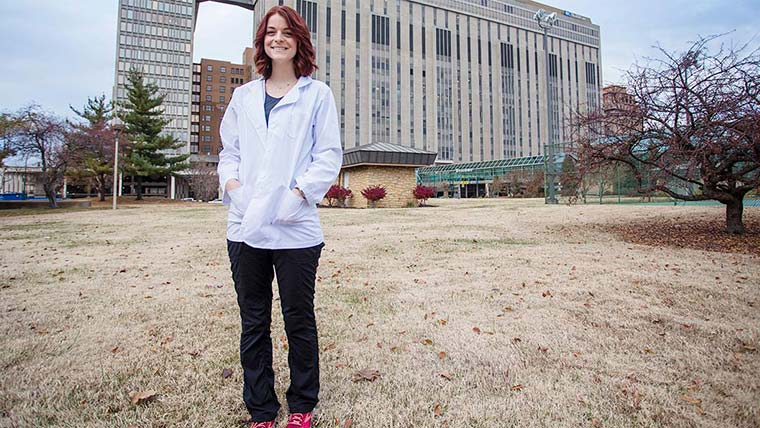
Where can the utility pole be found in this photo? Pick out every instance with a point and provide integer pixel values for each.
(546, 21)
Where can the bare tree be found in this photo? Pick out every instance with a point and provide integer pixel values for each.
(203, 181)
(42, 136)
(694, 130)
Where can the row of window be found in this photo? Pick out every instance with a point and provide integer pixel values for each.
(163, 70)
(223, 69)
(168, 57)
(209, 99)
(162, 6)
(222, 88)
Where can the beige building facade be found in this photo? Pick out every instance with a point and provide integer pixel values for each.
(465, 79)
(398, 181)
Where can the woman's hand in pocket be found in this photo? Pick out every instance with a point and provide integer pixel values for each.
(290, 206)
(296, 191)
(237, 205)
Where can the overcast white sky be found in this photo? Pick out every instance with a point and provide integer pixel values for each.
(57, 53)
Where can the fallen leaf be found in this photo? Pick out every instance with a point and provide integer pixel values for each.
(508, 309)
(437, 409)
(348, 422)
(366, 374)
(226, 373)
(690, 400)
(142, 397)
(427, 342)
(476, 330)
(696, 384)
(115, 349)
(441, 355)
(446, 375)
(443, 322)
(517, 387)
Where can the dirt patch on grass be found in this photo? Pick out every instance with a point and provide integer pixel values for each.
(704, 232)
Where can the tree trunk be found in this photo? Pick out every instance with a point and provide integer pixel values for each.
(101, 183)
(734, 211)
(139, 188)
(50, 193)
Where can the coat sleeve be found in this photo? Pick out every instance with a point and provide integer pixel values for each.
(229, 157)
(326, 152)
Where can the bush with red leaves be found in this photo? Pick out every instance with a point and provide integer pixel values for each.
(374, 193)
(422, 193)
(338, 194)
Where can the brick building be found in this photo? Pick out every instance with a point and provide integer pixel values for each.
(389, 165)
(214, 82)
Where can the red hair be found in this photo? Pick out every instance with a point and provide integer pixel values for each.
(303, 62)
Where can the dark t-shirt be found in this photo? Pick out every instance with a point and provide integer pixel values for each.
(269, 103)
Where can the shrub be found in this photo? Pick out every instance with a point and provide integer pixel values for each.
(338, 194)
(422, 193)
(374, 194)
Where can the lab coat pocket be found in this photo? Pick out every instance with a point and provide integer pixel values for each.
(290, 209)
(237, 203)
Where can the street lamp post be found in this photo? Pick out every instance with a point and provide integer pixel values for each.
(117, 125)
(545, 21)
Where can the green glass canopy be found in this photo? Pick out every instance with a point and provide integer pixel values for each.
(480, 171)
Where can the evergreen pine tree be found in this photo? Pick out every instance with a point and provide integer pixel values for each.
(148, 155)
(93, 140)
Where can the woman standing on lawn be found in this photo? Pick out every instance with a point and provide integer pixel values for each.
(281, 153)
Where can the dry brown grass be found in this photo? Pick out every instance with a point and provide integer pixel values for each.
(545, 320)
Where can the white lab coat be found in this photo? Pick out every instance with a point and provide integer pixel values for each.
(300, 148)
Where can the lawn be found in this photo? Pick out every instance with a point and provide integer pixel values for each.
(485, 313)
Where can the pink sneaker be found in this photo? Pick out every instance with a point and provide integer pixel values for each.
(299, 420)
(268, 424)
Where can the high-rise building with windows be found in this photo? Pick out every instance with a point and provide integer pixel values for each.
(464, 78)
(156, 37)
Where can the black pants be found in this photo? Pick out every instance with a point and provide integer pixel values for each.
(252, 271)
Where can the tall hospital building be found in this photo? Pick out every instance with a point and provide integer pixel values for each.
(464, 79)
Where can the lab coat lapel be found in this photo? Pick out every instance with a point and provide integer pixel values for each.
(287, 110)
(293, 95)
(254, 108)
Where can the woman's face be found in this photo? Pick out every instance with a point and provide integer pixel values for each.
(279, 43)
